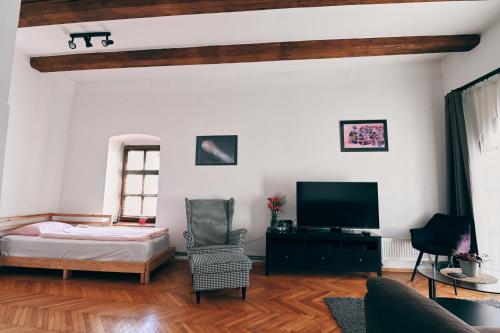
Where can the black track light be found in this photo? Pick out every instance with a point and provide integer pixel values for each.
(106, 42)
(87, 41)
(87, 37)
(72, 44)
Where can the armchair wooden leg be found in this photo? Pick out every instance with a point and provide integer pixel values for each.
(244, 293)
(419, 259)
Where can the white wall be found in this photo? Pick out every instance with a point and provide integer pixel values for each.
(36, 140)
(287, 125)
(461, 68)
(9, 17)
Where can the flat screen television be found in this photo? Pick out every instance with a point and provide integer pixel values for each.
(349, 205)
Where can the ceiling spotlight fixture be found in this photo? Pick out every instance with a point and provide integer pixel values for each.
(106, 42)
(71, 44)
(87, 37)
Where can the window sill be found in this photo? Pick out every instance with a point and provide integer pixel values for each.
(134, 224)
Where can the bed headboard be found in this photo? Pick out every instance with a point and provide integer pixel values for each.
(90, 219)
(8, 224)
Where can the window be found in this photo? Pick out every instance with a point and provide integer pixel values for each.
(481, 109)
(486, 192)
(141, 166)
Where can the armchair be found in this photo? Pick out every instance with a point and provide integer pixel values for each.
(215, 251)
(209, 224)
(440, 236)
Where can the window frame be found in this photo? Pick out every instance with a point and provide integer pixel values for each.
(125, 172)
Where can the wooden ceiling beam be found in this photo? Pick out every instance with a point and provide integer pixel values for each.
(48, 12)
(222, 54)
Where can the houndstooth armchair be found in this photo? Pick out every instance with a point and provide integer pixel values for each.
(209, 224)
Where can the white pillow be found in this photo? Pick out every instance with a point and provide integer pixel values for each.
(36, 228)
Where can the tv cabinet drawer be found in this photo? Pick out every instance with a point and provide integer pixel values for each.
(321, 260)
(359, 259)
(285, 259)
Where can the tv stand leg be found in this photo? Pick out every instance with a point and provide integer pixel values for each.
(379, 272)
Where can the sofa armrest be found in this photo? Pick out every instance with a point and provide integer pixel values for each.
(391, 306)
(236, 237)
(485, 329)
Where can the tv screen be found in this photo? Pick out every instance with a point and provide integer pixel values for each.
(337, 205)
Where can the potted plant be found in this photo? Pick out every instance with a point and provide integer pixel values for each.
(469, 263)
(275, 205)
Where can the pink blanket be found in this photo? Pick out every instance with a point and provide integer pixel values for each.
(105, 233)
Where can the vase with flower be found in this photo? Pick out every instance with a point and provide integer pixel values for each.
(275, 205)
(470, 263)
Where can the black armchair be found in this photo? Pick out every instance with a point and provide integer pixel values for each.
(440, 236)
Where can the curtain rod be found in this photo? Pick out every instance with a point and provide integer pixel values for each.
(476, 81)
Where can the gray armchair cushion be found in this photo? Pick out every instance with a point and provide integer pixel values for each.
(215, 249)
(209, 221)
(220, 263)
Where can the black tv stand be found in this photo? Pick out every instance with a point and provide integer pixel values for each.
(332, 230)
(325, 250)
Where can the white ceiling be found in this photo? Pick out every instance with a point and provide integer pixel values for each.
(439, 18)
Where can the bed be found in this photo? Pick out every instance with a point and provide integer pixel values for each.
(75, 254)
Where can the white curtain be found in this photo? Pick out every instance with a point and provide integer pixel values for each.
(481, 110)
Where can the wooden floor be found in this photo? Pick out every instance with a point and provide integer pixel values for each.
(40, 301)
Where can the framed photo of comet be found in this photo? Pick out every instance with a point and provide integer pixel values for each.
(217, 150)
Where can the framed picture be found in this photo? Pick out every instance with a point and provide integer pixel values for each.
(217, 150)
(363, 135)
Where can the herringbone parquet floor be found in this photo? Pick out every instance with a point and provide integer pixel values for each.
(40, 301)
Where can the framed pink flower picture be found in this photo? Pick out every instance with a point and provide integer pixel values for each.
(363, 135)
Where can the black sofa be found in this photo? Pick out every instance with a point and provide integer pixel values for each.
(390, 306)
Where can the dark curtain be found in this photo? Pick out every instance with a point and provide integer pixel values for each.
(457, 153)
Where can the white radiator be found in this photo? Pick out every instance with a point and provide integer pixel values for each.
(398, 249)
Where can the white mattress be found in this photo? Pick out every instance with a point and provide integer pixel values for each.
(33, 246)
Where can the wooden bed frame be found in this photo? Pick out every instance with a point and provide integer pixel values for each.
(67, 265)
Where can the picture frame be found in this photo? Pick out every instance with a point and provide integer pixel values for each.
(217, 150)
(364, 135)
